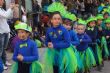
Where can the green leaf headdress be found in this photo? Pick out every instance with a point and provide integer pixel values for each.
(81, 21)
(57, 6)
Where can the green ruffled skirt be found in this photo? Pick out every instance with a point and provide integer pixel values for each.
(104, 47)
(36, 67)
(87, 59)
(65, 59)
(79, 61)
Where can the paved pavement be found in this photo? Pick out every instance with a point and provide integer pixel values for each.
(106, 68)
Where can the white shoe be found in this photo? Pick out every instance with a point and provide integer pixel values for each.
(5, 67)
(8, 64)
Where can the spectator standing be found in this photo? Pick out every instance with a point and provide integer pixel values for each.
(4, 27)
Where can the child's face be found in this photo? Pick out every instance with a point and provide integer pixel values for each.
(56, 20)
(99, 22)
(108, 25)
(92, 24)
(106, 16)
(22, 34)
(75, 27)
(80, 29)
(67, 26)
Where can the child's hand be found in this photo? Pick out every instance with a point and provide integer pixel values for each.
(20, 57)
(107, 37)
(50, 45)
(80, 40)
(12, 5)
(100, 28)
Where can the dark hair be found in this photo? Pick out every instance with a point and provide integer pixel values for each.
(105, 13)
(88, 24)
(53, 13)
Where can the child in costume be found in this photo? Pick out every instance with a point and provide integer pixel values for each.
(25, 52)
(101, 41)
(59, 57)
(85, 53)
(105, 16)
(107, 34)
(74, 40)
(73, 35)
(91, 30)
(99, 18)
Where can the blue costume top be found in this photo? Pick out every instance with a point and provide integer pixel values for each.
(92, 32)
(74, 38)
(100, 34)
(59, 36)
(28, 49)
(107, 33)
(1, 66)
(84, 43)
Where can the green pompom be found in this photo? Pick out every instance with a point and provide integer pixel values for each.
(99, 16)
(38, 43)
(107, 20)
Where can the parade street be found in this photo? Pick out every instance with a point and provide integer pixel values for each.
(106, 68)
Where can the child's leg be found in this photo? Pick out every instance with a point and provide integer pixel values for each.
(96, 57)
(108, 44)
(23, 68)
(95, 53)
(55, 69)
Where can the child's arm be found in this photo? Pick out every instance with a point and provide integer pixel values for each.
(15, 53)
(86, 39)
(34, 56)
(74, 39)
(47, 39)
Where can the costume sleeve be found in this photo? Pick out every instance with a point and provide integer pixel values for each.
(16, 49)
(34, 56)
(47, 38)
(86, 38)
(74, 39)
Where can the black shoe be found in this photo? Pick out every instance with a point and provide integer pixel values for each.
(99, 68)
(80, 71)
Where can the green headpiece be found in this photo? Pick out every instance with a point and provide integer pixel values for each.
(23, 26)
(57, 6)
(102, 4)
(106, 10)
(81, 21)
(99, 16)
(107, 20)
(91, 19)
